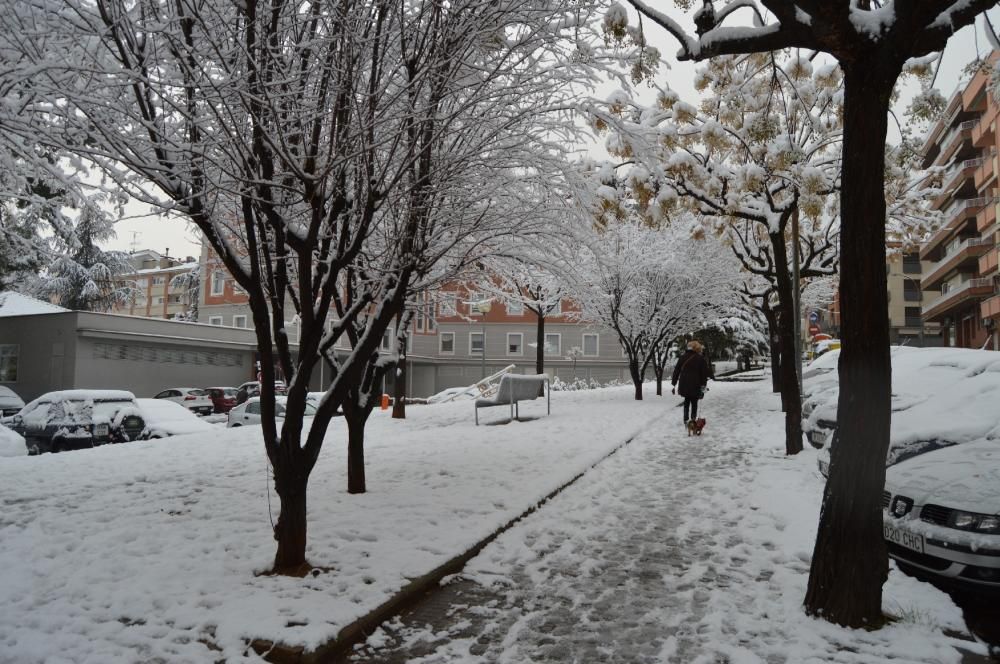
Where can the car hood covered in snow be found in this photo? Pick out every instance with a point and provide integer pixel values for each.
(965, 477)
(168, 418)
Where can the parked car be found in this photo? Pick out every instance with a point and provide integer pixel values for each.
(223, 398)
(248, 412)
(941, 515)
(941, 397)
(166, 418)
(10, 403)
(192, 398)
(75, 419)
(252, 389)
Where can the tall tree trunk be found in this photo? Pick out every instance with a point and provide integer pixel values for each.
(290, 530)
(658, 370)
(849, 563)
(399, 389)
(790, 396)
(772, 344)
(540, 350)
(633, 370)
(355, 453)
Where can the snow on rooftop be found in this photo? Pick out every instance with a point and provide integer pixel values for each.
(18, 304)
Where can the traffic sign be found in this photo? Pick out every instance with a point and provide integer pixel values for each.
(813, 330)
(813, 316)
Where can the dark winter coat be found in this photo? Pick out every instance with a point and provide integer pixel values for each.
(690, 375)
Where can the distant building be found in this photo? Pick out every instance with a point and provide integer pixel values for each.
(158, 296)
(906, 295)
(446, 342)
(962, 276)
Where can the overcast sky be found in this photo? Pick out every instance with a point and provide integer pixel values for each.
(145, 230)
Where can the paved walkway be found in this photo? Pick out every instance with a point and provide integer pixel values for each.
(637, 597)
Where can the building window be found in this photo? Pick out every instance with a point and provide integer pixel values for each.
(218, 282)
(215, 320)
(448, 304)
(911, 291)
(159, 300)
(912, 316)
(475, 299)
(911, 264)
(475, 343)
(8, 362)
(515, 343)
(141, 283)
(386, 341)
(590, 345)
(447, 343)
(553, 343)
(515, 308)
(240, 321)
(159, 281)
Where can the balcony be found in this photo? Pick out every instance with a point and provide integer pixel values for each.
(963, 257)
(953, 140)
(984, 133)
(961, 211)
(990, 308)
(986, 170)
(988, 262)
(971, 290)
(955, 177)
(987, 216)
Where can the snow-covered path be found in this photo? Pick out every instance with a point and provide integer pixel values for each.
(671, 550)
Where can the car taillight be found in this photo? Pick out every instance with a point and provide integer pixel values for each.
(190, 398)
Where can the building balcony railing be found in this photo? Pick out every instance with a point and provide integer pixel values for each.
(963, 254)
(955, 137)
(972, 289)
(955, 177)
(960, 210)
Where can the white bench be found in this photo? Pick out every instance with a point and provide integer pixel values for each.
(514, 388)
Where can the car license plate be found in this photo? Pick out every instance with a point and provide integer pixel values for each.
(101, 430)
(903, 537)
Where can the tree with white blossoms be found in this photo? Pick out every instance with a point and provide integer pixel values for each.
(650, 284)
(189, 283)
(331, 155)
(873, 41)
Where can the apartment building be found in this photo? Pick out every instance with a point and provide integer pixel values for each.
(962, 276)
(455, 341)
(904, 276)
(158, 296)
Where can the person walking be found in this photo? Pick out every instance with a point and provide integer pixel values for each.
(690, 378)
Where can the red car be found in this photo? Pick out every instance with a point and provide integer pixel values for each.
(223, 398)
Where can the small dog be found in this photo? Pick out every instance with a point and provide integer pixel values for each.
(695, 427)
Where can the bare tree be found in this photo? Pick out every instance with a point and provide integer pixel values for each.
(872, 41)
(331, 154)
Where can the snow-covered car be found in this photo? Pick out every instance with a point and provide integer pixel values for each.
(940, 397)
(11, 443)
(248, 412)
(192, 398)
(252, 389)
(10, 403)
(75, 419)
(942, 514)
(165, 418)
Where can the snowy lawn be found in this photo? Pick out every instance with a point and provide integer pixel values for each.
(148, 551)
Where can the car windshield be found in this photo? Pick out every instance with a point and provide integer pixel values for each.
(196, 393)
(230, 391)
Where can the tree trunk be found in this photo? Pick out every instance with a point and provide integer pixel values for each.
(658, 370)
(540, 351)
(772, 344)
(355, 453)
(633, 369)
(790, 397)
(849, 563)
(290, 530)
(399, 390)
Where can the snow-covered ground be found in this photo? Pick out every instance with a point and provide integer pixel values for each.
(148, 551)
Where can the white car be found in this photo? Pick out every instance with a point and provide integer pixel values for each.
(10, 403)
(248, 412)
(165, 418)
(941, 515)
(192, 398)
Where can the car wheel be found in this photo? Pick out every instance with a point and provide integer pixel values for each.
(235, 425)
(35, 446)
(58, 445)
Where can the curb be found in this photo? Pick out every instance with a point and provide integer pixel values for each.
(356, 632)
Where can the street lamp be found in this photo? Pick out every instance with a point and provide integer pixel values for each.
(483, 307)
